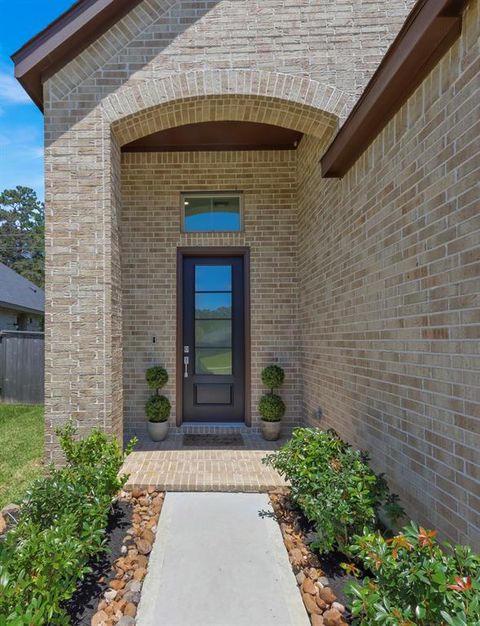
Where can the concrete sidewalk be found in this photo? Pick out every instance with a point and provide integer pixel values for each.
(219, 560)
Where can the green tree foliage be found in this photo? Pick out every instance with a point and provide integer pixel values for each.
(22, 233)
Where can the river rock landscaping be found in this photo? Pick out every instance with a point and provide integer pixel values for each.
(322, 596)
(119, 601)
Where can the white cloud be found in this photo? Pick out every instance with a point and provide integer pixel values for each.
(11, 91)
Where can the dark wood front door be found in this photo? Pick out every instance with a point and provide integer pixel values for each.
(213, 343)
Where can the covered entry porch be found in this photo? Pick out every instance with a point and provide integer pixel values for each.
(210, 232)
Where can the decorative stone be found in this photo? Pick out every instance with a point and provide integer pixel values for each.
(340, 608)
(110, 595)
(147, 535)
(296, 557)
(327, 595)
(300, 577)
(137, 493)
(3, 524)
(144, 547)
(124, 549)
(134, 585)
(126, 620)
(317, 620)
(309, 587)
(99, 619)
(310, 604)
(140, 573)
(133, 597)
(333, 618)
(142, 561)
(130, 610)
(323, 581)
(321, 603)
(117, 584)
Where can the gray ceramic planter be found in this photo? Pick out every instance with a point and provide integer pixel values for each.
(157, 430)
(271, 430)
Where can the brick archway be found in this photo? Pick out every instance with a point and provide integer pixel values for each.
(213, 95)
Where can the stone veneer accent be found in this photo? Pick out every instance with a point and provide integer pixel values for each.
(387, 258)
(150, 234)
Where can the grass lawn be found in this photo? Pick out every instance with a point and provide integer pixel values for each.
(21, 437)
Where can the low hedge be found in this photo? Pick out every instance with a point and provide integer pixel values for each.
(411, 580)
(61, 528)
(414, 582)
(333, 485)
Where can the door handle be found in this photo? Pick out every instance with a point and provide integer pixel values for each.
(186, 361)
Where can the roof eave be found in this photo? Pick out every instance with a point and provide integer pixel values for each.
(63, 40)
(429, 31)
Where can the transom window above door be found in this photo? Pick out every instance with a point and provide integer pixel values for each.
(211, 212)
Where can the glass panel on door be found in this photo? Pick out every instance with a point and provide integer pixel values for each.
(213, 320)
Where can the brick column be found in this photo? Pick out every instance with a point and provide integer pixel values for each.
(83, 295)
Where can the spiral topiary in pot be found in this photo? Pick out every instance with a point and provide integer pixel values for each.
(271, 406)
(157, 407)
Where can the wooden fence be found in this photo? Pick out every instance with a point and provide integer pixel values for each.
(22, 367)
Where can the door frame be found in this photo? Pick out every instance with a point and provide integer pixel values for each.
(206, 251)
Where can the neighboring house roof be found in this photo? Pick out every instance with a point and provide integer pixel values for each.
(18, 293)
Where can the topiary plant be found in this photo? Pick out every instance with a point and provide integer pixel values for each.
(158, 409)
(157, 377)
(273, 377)
(271, 407)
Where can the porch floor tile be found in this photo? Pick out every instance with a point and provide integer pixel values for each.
(170, 466)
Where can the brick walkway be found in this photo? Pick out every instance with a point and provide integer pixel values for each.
(170, 466)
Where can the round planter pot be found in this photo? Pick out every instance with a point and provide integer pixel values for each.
(271, 430)
(157, 430)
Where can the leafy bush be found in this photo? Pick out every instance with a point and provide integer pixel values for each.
(157, 377)
(273, 377)
(414, 582)
(61, 527)
(333, 485)
(271, 407)
(158, 409)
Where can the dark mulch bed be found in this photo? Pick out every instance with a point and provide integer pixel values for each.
(330, 564)
(84, 604)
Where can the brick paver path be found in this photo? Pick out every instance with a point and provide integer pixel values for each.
(171, 467)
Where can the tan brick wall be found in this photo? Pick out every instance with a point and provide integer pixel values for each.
(151, 233)
(387, 258)
(390, 291)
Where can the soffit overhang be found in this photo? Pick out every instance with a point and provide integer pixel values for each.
(63, 40)
(429, 31)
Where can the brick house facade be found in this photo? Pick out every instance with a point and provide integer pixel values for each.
(365, 288)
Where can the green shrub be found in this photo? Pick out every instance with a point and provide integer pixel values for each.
(158, 409)
(157, 377)
(61, 528)
(271, 407)
(273, 377)
(414, 582)
(333, 485)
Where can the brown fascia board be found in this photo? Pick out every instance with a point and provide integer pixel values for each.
(429, 31)
(63, 40)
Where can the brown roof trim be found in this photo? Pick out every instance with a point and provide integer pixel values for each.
(63, 40)
(429, 31)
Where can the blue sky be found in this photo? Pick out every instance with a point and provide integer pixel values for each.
(21, 123)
